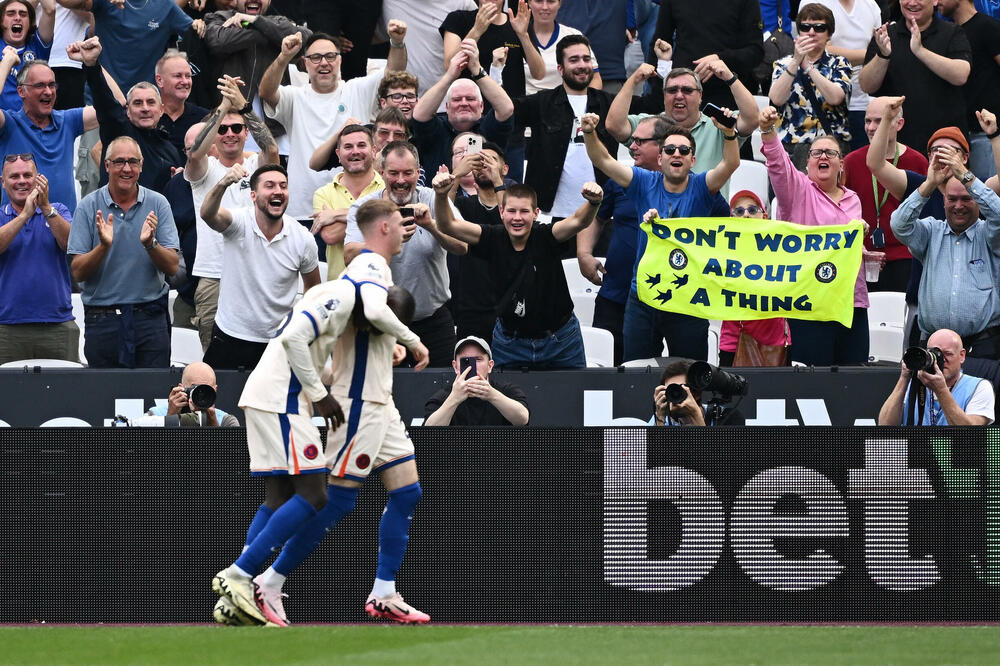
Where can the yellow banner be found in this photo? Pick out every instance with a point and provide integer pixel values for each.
(745, 269)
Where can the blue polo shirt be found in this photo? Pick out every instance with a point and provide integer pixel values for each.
(134, 38)
(34, 49)
(127, 275)
(52, 147)
(34, 276)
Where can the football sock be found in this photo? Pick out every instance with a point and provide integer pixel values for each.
(260, 519)
(383, 588)
(282, 525)
(270, 578)
(339, 502)
(394, 530)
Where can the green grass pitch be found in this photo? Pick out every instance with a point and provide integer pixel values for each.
(377, 645)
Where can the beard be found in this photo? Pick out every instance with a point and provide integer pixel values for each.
(399, 198)
(262, 206)
(573, 84)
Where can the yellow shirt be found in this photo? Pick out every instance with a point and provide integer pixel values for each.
(335, 196)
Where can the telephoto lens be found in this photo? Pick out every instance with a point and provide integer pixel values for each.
(676, 394)
(201, 396)
(917, 358)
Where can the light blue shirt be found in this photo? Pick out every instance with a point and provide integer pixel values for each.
(958, 289)
(127, 275)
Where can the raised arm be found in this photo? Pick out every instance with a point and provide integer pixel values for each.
(484, 17)
(197, 161)
(427, 105)
(617, 121)
(718, 176)
(599, 155)
(493, 92)
(746, 123)
(396, 62)
(464, 231)
(953, 70)
(268, 91)
(568, 227)
(988, 123)
(873, 73)
(212, 213)
(892, 178)
(422, 217)
(519, 23)
(47, 20)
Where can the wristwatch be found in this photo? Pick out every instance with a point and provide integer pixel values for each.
(480, 75)
(967, 177)
(52, 213)
(151, 245)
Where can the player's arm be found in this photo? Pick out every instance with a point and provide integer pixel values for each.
(307, 322)
(599, 155)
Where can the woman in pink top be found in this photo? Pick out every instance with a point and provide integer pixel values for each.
(816, 198)
(765, 331)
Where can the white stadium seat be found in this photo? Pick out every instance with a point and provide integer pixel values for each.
(886, 344)
(599, 347)
(888, 308)
(42, 363)
(750, 175)
(185, 346)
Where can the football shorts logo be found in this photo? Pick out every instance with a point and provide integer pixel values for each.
(363, 461)
(310, 452)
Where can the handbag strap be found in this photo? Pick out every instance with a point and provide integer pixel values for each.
(809, 90)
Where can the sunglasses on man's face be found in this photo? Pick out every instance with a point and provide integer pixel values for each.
(670, 149)
(740, 211)
(236, 127)
(13, 157)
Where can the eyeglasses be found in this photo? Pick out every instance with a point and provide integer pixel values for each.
(640, 141)
(944, 148)
(13, 157)
(42, 86)
(670, 149)
(818, 28)
(672, 90)
(399, 97)
(120, 162)
(740, 211)
(316, 58)
(236, 127)
(824, 152)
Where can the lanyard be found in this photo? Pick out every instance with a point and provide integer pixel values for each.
(885, 192)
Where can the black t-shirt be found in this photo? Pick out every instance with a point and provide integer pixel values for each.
(460, 22)
(539, 298)
(982, 90)
(475, 411)
(931, 102)
(473, 295)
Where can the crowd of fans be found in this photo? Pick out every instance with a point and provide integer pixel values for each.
(217, 146)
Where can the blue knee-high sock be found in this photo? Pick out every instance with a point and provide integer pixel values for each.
(394, 530)
(260, 519)
(282, 525)
(339, 503)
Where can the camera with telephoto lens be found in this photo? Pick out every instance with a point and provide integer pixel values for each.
(917, 358)
(702, 376)
(676, 394)
(200, 396)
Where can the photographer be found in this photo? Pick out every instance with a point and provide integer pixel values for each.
(185, 400)
(950, 396)
(475, 399)
(672, 408)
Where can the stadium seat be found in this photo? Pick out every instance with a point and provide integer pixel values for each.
(42, 363)
(750, 175)
(583, 306)
(888, 308)
(171, 297)
(886, 344)
(574, 278)
(80, 317)
(774, 208)
(185, 346)
(714, 334)
(599, 347)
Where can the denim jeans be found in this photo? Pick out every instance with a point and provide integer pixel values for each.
(141, 340)
(981, 156)
(561, 349)
(645, 328)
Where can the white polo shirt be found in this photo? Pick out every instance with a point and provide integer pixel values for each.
(260, 282)
(208, 258)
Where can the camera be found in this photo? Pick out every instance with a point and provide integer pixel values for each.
(200, 396)
(917, 358)
(676, 394)
(702, 376)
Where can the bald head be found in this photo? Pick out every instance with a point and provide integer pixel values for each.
(191, 135)
(873, 118)
(945, 338)
(198, 373)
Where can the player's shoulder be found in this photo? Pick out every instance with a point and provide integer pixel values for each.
(369, 267)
